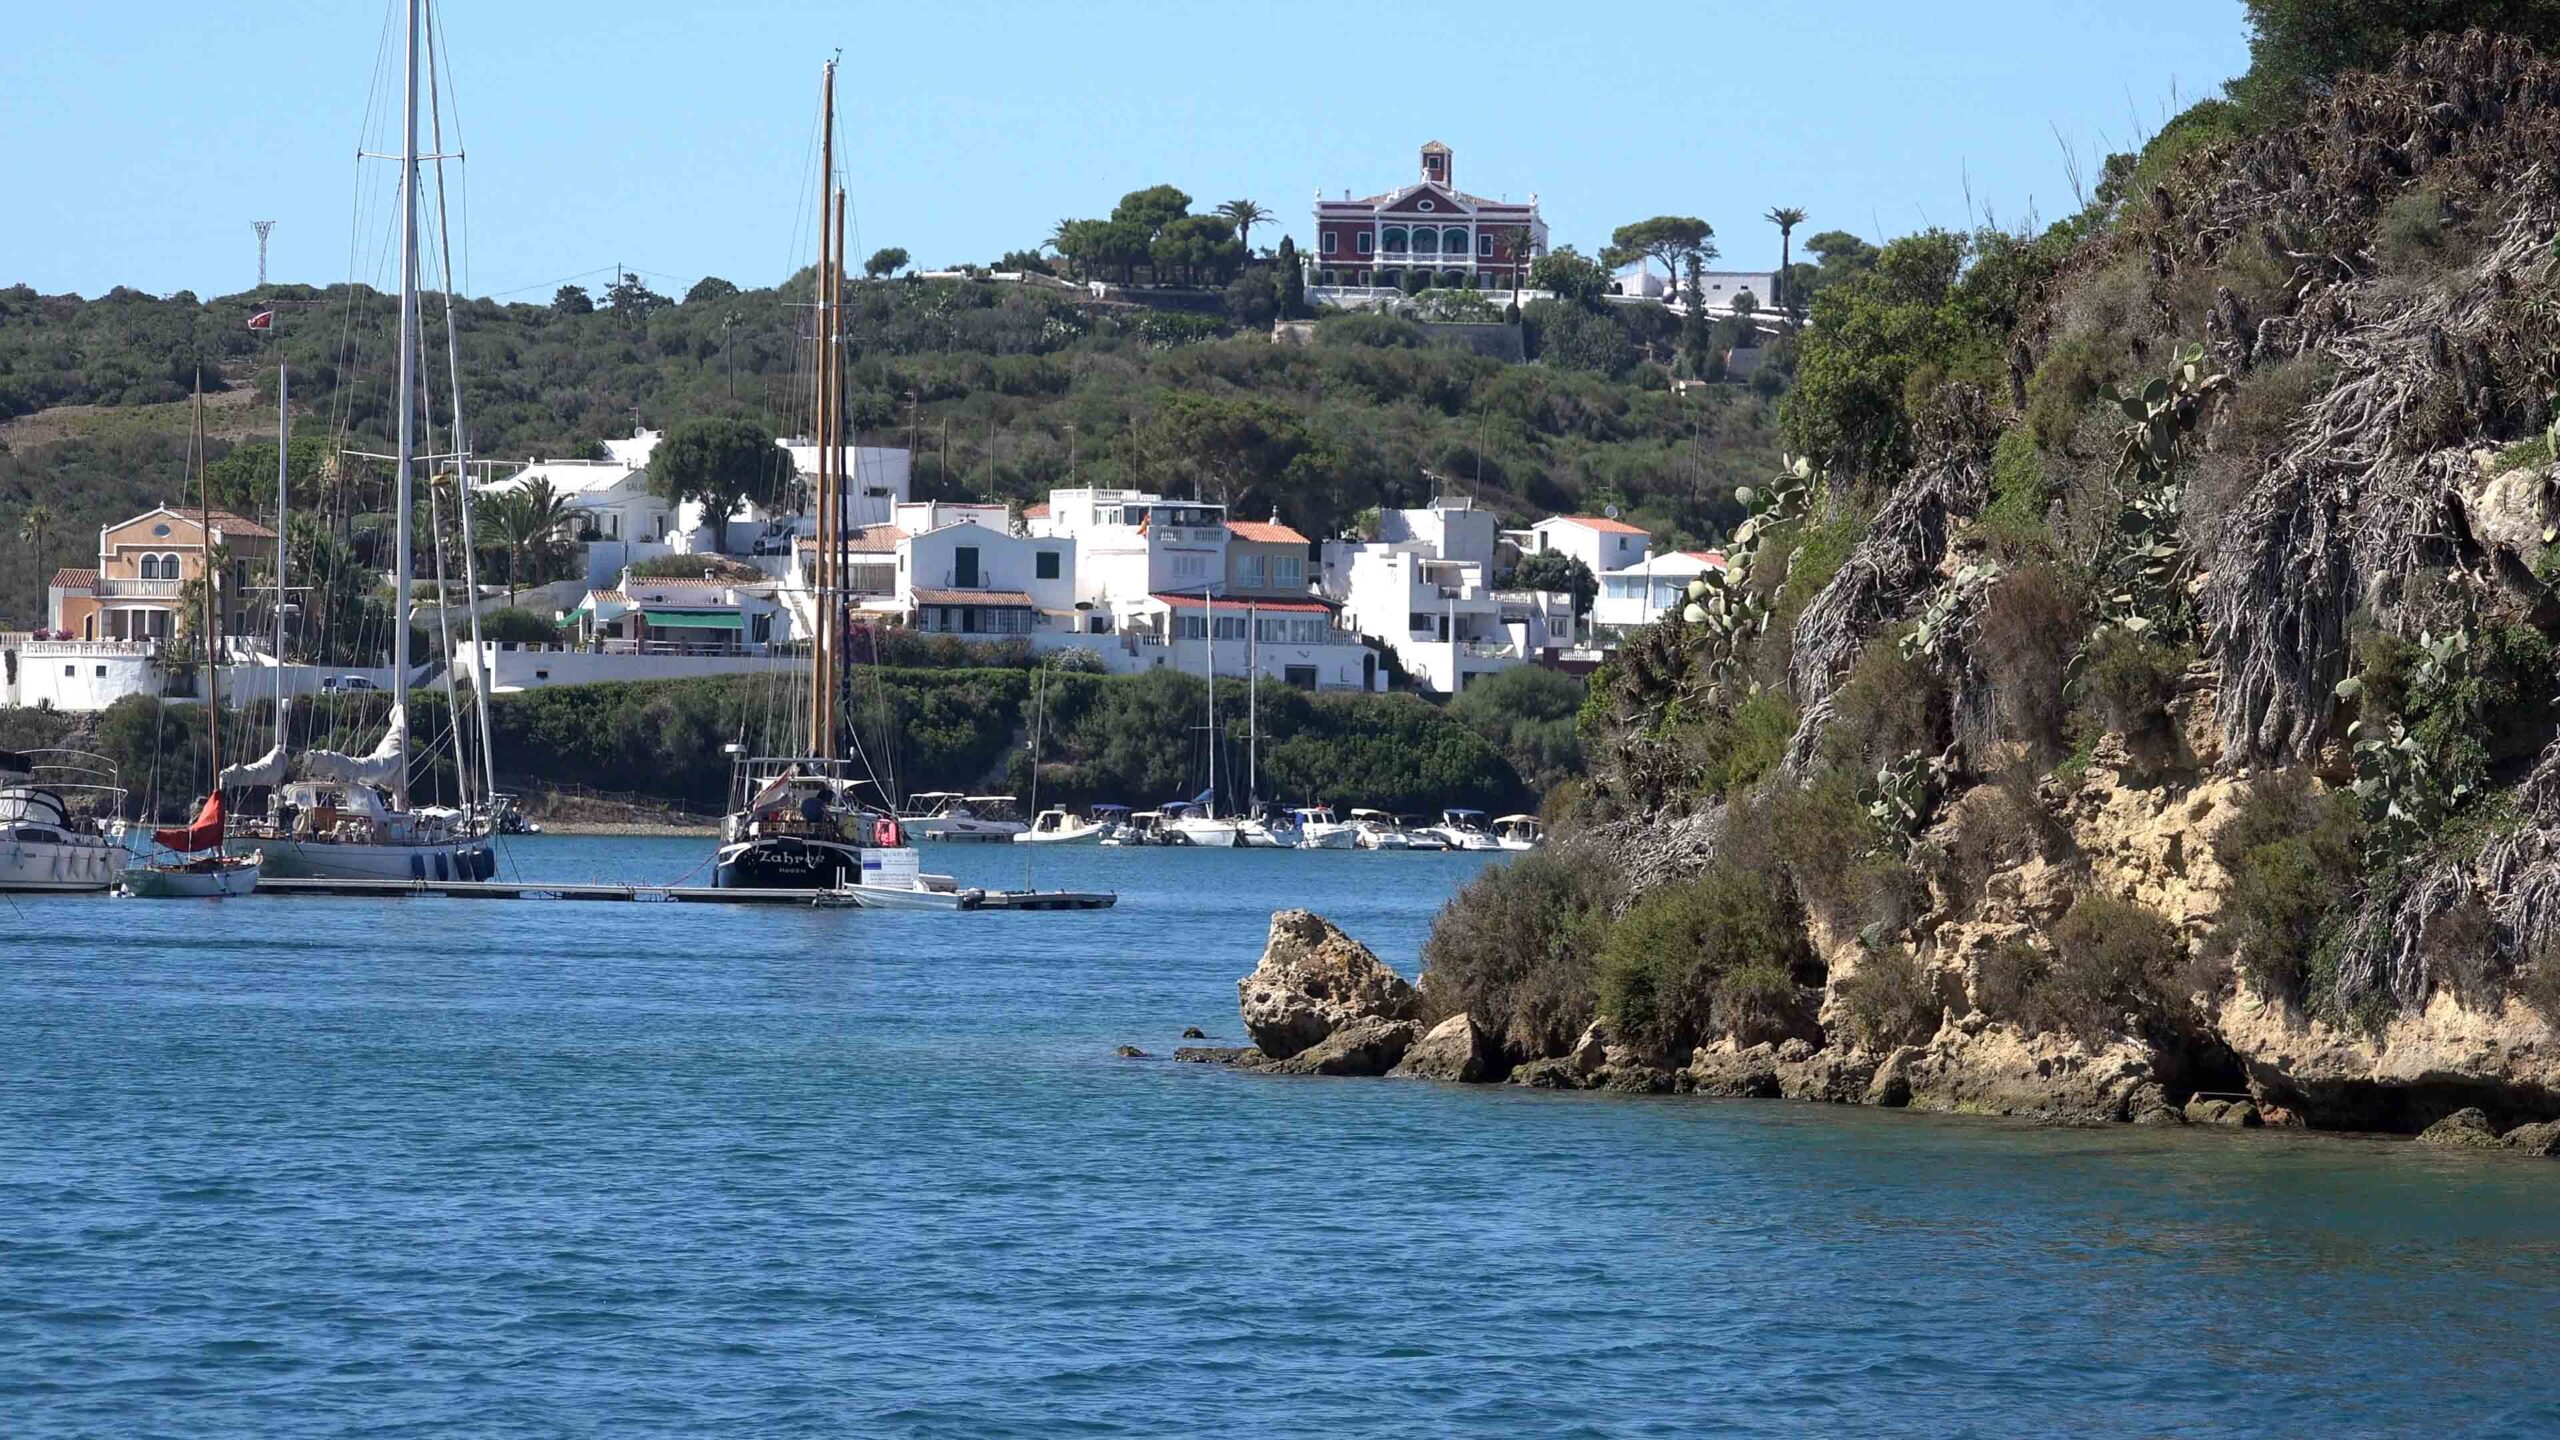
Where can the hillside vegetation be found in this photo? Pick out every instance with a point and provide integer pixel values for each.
(1004, 390)
(2144, 685)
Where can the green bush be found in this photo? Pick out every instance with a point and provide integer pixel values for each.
(2412, 229)
(1888, 706)
(517, 626)
(1737, 747)
(2111, 958)
(1889, 999)
(2017, 522)
(1701, 958)
(2131, 679)
(2064, 384)
(1530, 714)
(2293, 855)
(1516, 948)
(2007, 980)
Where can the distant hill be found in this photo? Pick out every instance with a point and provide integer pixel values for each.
(1004, 390)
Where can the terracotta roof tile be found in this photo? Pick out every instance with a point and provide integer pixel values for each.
(1269, 532)
(873, 540)
(1602, 524)
(1000, 599)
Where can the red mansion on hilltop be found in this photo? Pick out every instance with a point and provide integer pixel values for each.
(1430, 226)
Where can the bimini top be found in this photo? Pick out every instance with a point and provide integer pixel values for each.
(1110, 810)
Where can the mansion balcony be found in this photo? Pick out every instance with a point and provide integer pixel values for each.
(107, 587)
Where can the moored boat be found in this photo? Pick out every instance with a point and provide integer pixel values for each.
(1378, 830)
(949, 815)
(1182, 822)
(43, 846)
(1059, 826)
(1464, 829)
(1318, 830)
(1519, 832)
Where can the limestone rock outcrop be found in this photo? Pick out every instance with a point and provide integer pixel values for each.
(1314, 980)
(1455, 1049)
(1364, 1046)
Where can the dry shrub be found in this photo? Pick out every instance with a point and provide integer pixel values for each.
(1888, 706)
(1890, 999)
(2007, 978)
(2130, 681)
(2111, 958)
(2028, 629)
(1517, 946)
(2460, 945)
(1997, 827)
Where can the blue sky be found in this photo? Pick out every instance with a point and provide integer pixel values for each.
(138, 140)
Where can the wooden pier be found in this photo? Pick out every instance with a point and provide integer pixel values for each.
(673, 894)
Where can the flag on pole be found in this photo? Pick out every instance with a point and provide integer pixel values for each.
(263, 320)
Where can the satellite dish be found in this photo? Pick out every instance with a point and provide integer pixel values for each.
(1610, 510)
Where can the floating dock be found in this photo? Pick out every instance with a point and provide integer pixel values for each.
(684, 894)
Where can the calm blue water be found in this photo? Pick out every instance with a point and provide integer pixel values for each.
(438, 1167)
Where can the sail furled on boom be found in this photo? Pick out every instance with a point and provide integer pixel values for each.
(378, 768)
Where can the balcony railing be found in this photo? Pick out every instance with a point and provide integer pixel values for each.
(136, 589)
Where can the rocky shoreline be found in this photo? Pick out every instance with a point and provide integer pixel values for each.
(1321, 1003)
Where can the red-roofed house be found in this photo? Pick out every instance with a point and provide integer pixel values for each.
(1598, 541)
(1429, 227)
(1655, 586)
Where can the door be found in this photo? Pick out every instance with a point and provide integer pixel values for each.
(964, 567)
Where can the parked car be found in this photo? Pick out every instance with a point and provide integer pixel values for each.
(347, 684)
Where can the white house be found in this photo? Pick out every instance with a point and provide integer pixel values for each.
(1642, 593)
(1300, 641)
(984, 583)
(1597, 541)
(1719, 287)
(1130, 543)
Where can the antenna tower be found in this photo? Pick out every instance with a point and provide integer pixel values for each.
(263, 226)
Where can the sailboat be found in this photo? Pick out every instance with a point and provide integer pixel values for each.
(197, 868)
(804, 822)
(1196, 821)
(350, 817)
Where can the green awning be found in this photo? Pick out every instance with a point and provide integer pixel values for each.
(693, 619)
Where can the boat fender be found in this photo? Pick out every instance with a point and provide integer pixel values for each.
(884, 833)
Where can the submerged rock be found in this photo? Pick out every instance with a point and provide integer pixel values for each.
(1455, 1049)
(2222, 1110)
(1366, 1046)
(2465, 1129)
(2542, 1139)
(1241, 1057)
(1314, 980)
(1131, 1052)
(1194, 1032)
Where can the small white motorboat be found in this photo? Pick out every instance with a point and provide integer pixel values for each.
(1183, 823)
(1378, 830)
(1271, 830)
(1060, 826)
(1464, 829)
(949, 815)
(1519, 832)
(1139, 827)
(1318, 830)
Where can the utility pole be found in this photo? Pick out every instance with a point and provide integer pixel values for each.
(262, 227)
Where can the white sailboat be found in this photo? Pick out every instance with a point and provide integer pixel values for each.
(1318, 830)
(1196, 821)
(43, 846)
(197, 867)
(350, 817)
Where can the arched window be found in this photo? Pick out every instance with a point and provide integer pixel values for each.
(150, 567)
(1453, 241)
(1426, 241)
(169, 567)
(1393, 241)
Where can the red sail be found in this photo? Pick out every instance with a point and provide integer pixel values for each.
(204, 834)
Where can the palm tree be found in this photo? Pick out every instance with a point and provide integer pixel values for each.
(1786, 218)
(523, 520)
(1244, 215)
(31, 527)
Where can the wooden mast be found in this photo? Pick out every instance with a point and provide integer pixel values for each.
(841, 475)
(204, 533)
(821, 645)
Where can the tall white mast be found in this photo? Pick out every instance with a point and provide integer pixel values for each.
(284, 438)
(406, 397)
(481, 669)
(1209, 669)
(1252, 710)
